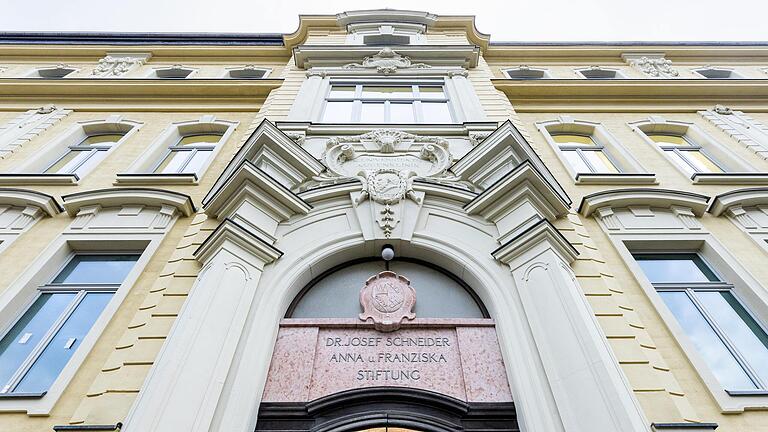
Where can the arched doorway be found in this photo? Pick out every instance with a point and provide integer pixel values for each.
(435, 367)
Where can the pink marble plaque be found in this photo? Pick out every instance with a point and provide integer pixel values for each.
(316, 359)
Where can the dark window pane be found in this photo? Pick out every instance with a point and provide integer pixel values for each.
(55, 356)
(670, 268)
(719, 359)
(103, 269)
(28, 331)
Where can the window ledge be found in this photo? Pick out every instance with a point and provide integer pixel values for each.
(22, 395)
(730, 178)
(621, 178)
(747, 392)
(39, 179)
(154, 179)
(82, 427)
(688, 427)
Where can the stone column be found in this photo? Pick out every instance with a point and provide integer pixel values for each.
(466, 97)
(587, 385)
(308, 99)
(184, 388)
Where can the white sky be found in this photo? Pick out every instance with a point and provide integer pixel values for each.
(510, 20)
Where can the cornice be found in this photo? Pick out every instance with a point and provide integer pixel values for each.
(542, 231)
(122, 196)
(25, 198)
(385, 15)
(740, 197)
(249, 182)
(643, 196)
(231, 231)
(497, 198)
(128, 94)
(633, 95)
(308, 56)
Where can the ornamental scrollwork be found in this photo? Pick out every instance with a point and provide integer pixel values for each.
(386, 62)
(655, 67)
(116, 66)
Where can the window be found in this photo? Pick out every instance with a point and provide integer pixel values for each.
(732, 342)
(247, 72)
(526, 73)
(598, 73)
(584, 154)
(373, 103)
(685, 153)
(81, 156)
(717, 73)
(188, 154)
(174, 72)
(54, 72)
(41, 342)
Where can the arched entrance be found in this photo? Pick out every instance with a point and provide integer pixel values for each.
(381, 409)
(357, 351)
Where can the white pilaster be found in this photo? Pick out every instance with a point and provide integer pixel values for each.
(183, 389)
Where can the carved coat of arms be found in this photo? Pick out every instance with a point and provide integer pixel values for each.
(387, 299)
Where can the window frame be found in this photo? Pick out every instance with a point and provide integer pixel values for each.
(21, 294)
(732, 74)
(544, 73)
(750, 292)
(690, 288)
(617, 73)
(80, 147)
(192, 149)
(415, 100)
(580, 148)
(693, 146)
(80, 291)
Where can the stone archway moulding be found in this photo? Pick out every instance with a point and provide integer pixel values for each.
(498, 237)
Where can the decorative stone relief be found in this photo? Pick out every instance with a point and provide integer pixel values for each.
(476, 138)
(27, 126)
(647, 219)
(608, 217)
(741, 127)
(657, 67)
(135, 216)
(387, 299)
(115, 65)
(741, 216)
(386, 62)
(297, 137)
(386, 175)
(687, 217)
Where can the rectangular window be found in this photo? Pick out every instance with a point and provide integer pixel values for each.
(733, 344)
(584, 154)
(41, 342)
(685, 153)
(83, 154)
(188, 154)
(374, 103)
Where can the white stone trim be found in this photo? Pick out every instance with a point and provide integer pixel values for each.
(20, 210)
(741, 127)
(664, 198)
(79, 131)
(158, 148)
(118, 64)
(28, 125)
(74, 203)
(625, 162)
(719, 153)
(42, 72)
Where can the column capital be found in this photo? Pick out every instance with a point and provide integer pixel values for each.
(542, 231)
(241, 238)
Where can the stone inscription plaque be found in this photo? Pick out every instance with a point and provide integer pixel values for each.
(316, 359)
(351, 358)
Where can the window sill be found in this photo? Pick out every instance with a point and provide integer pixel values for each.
(154, 179)
(747, 392)
(689, 427)
(22, 395)
(730, 178)
(39, 179)
(82, 427)
(613, 179)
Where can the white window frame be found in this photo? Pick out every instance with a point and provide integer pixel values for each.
(20, 295)
(544, 73)
(733, 74)
(745, 287)
(74, 136)
(158, 150)
(630, 170)
(415, 101)
(265, 72)
(618, 74)
(717, 153)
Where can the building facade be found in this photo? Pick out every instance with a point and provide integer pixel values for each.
(381, 220)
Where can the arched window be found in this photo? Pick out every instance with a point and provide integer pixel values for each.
(335, 294)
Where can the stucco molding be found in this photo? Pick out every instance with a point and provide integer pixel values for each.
(435, 57)
(386, 16)
(26, 198)
(664, 198)
(118, 64)
(741, 127)
(741, 197)
(28, 125)
(654, 65)
(542, 231)
(117, 197)
(231, 231)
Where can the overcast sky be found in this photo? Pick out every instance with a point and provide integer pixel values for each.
(521, 20)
